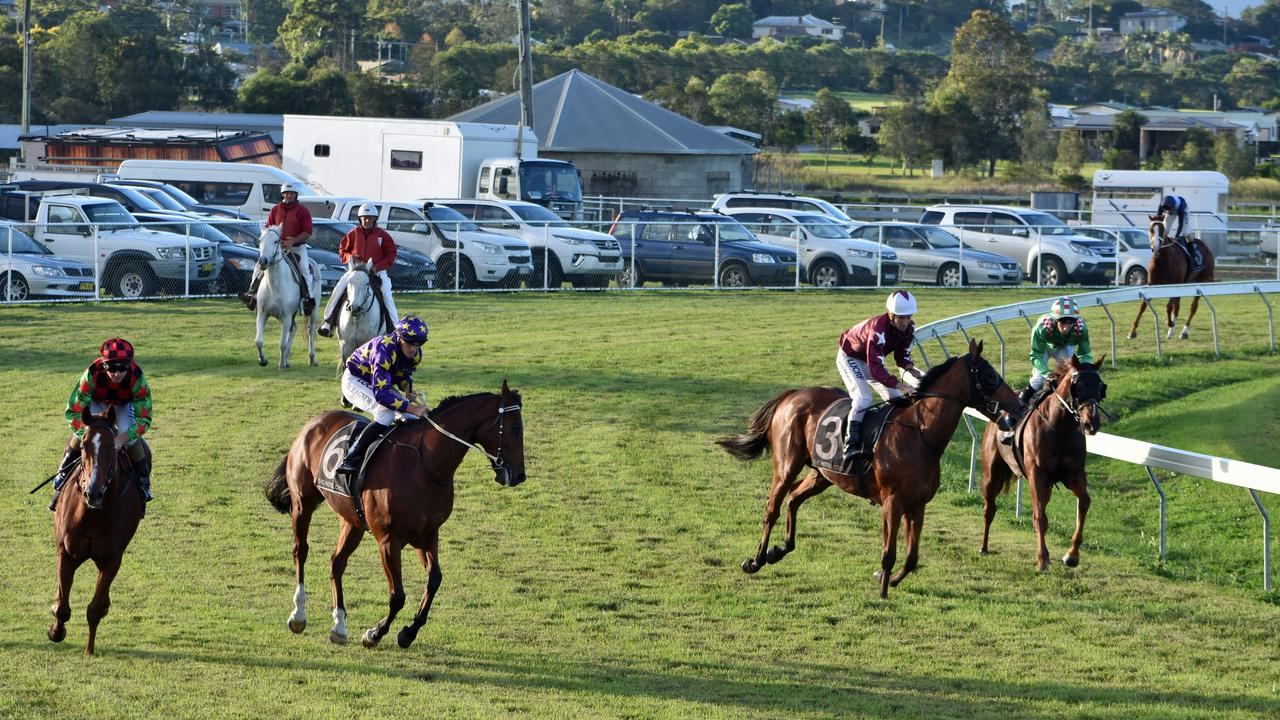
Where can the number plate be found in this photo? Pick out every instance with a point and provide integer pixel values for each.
(206, 267)
(1108, 273)
(86, 286)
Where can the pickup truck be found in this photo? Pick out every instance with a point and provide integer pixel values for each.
(442, 235)
(129, 259)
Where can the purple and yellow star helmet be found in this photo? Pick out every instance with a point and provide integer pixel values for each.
(412, 330)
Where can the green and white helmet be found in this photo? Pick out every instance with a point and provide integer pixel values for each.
(1064, 307)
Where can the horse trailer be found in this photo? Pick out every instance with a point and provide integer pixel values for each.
(1128, 197)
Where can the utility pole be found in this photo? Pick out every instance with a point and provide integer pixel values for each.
(526, 77)
(26, 68)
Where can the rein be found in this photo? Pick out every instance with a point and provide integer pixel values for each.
(495, 461)
(363, 307)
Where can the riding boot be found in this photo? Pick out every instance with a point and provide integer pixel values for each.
(852, 441)
(356, 450)
(70, 458)
(326, 327)
(143, 470)
(308, 302)
(1025, 396)
(250, 296)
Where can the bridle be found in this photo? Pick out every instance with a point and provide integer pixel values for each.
(362, 307)
(84, 479)
(983, 384)
(1074, 406)
(1161, 237)
(495, 461)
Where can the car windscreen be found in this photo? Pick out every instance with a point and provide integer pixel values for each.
(822, 226)
(110, 213)
(549, 182)
(450, 219)
(538, 215)
(832, 210)
(179, 195)
(22, 243)
(162, 199)
(938, 237)
(730, 230)
(1046, 223)
(1135, 239)
(139, 198)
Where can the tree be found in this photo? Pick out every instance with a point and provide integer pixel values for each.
(1126, 131)
(789, 130)
(853, 141)
(903, 133)
(265, 18)
(321, 28)
(207, 80)
(1036, 144)
(992, 68)
(1072, 151)
(1120, 159)
(733, 20)
(749, 101)
(827, 118)
(1231, 158)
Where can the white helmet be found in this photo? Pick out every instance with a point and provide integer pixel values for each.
(288, 187)
(367, 210)
(901, 302)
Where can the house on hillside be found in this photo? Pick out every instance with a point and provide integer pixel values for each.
(1154, 20)
(781, 27)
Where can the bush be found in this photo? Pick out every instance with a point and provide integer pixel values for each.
(1073, 182)
(1117, 159)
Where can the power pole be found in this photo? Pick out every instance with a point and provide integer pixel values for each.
(26, 68)
(526, 77)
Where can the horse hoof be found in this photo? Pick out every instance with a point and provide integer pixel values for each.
(750, 567)
(983, 552)
(1133, 335)
(406, 636)
(297, 626)
(878, 574)
(57, 634)
(262, 363)
(370, 639)
(775, 554)
(1184, 335)
(337, 639)
(1071, 560)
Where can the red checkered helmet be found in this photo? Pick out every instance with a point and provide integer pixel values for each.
(1064, 307)
(116, 349)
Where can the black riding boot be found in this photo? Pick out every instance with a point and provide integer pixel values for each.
(250, 296)
(852, 441)
(70, 458)
(143, 470)
(326, 327)
(356, 450)
(1025, 396)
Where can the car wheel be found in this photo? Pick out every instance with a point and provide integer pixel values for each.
(630, 277)
(466, 279)
(826, 274)
(950, 275)
(734, 275)
(1137, 275)
(14, 287)
(555, 277)
(221, 285)
(1052, 272)
(134, 283)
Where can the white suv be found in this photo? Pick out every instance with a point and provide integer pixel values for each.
(782, 201)
(584, 257)
(828, 256)
(1042, 244)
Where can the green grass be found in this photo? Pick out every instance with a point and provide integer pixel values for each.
(608, 584)
(864, 101)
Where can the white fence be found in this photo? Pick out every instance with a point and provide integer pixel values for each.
(1254, 478)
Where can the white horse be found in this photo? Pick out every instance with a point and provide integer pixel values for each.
(361, 316)
(280, 296)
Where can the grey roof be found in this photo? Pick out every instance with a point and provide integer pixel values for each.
(794, 21)
(162, 119)
(9, 134)
(574, 112)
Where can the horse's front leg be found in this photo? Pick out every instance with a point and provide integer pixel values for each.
(101, 602)
(301, 528)
(1186, 327)
(287, 327)
(390, 550)
(66, 569)
(783, 477)
(348, 540)
(1171, 310)
(891, 515)
(1041, 490)
(435, 577)
(1081, 489)
(260, 339)
(914, 524)
(1142, 306)
(312, 327)
(812, 484)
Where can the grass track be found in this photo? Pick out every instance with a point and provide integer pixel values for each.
(608, 584)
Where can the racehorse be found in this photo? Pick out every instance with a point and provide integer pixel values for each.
(1048, 448)
(407, 495)
(280, 296)
(361, 315)
(905, 464)
(97, 517)
(1169, 265)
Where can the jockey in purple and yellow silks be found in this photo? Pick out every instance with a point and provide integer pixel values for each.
(111, 379)
(379, 380)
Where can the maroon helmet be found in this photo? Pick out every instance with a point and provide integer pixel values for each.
(116, 349)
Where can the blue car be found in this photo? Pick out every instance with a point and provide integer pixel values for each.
(692, 247)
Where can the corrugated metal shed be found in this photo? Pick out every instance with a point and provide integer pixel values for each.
(168, 119)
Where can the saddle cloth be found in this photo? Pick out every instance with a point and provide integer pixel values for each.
(1195, 256)
(335, 451)
(827, 451)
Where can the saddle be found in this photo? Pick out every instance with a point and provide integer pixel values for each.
(1016, 445)
(828, 447)
(328, 480)
(1195, 257)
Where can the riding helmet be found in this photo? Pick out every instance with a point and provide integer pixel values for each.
(901, 302)
(412, 330)
(288, 187)
(1168, 203)
(1064, 307)
(367, 210)
(116, 349)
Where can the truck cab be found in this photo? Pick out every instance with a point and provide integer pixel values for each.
(553, 184)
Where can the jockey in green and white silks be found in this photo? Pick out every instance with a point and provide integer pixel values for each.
(1057, 336)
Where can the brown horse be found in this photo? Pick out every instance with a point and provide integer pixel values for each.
(1051, 442)
(1170, 265)
(97, 517)
(905, 465)
(407, 495)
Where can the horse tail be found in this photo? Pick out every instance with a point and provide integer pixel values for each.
(277, 489)
(756, 440)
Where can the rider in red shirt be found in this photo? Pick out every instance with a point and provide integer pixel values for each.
(860, 360)
(364, 243)
(294, 221)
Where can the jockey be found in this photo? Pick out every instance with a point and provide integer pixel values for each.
(378, 378)
(860, 360)
(112, 379)
(294, 221)
(1058, 335)
(1177, 205)
(365, 242)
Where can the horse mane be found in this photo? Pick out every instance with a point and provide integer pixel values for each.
(452, 400)
(935, 372)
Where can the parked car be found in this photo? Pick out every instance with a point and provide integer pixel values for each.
(154, 188)
(1043, 246)
(132, 199)
(787, 201)
(1134, 246)
(678, 247)
(829, 256)
(30, 270)
(930, 254)
(411, 271)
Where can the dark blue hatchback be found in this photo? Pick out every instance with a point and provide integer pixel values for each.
(678, 247)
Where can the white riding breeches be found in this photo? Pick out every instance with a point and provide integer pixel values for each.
(859, 383)
(124, 418)
(1058, 355)
(310, 273)
(361, 395)
(340, 289)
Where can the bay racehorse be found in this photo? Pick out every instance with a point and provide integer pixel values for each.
(1169, 265)
(407, 495)
(905, 464)
(280, 296)
(1048, 448)
(96, 518)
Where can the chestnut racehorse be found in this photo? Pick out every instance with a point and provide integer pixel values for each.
(97, 516)
(1169, 265)
(1051, 439)
(407, 495)
(905, 466)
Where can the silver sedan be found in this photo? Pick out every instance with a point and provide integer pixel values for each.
(29, 270)
(929, 254)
